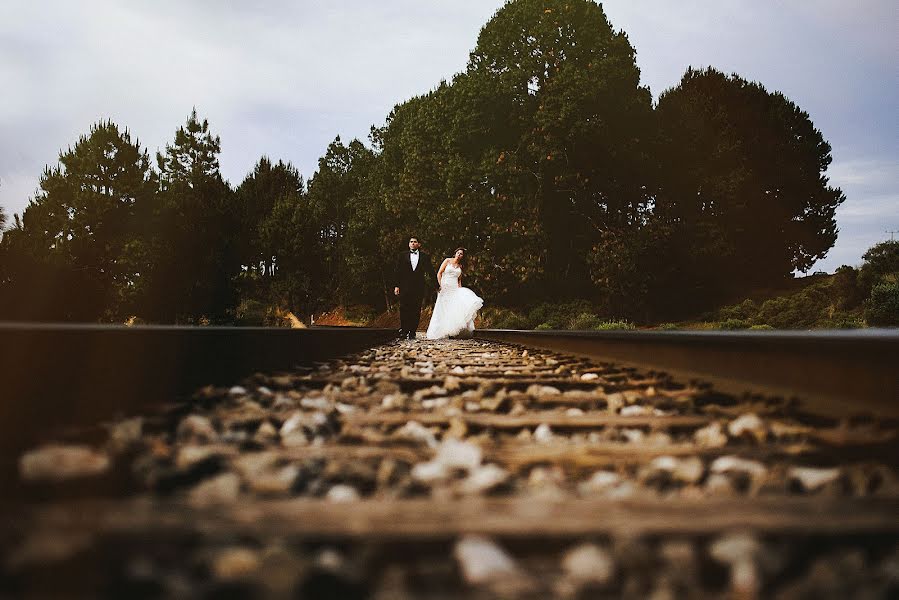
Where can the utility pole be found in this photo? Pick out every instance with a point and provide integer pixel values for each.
(892, 233)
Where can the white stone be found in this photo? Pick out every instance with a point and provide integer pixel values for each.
(813, 479)
(727, 464)
(543, 433)
(749, 423)
(635, 411)
(543, 390)
(429, 472)
(413, 430)
(710, 436)
(198, 428)
(315, 403)
(484, 478)
(482, 561)
(294, 424)
(237, 390)
(602, 480)
(456, 454)
(589, 563)
(589, 377)
(342, 493)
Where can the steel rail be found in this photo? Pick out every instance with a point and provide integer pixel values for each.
(55, 374)
(833, 372)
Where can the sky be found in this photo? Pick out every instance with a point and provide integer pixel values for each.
(284, 78)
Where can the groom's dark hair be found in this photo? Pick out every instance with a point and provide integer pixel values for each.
(415, 237)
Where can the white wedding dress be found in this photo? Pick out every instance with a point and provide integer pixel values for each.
(456, 307)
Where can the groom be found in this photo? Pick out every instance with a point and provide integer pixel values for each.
(409, 284)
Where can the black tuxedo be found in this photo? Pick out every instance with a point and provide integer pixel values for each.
(412, 288)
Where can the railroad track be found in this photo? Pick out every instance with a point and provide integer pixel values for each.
(458, 469)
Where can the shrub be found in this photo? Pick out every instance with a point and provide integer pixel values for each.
(744, 311)
(845, 288)
(761, 327)
(667, 326)
(882, 308)
(880, 260)
(504, 318)
(559, 315)
(610, 325)
(585, 320)
(543, 327)
(734, 324)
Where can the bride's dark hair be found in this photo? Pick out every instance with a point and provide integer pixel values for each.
(464, 261)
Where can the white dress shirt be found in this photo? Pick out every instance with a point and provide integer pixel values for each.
(413, 257)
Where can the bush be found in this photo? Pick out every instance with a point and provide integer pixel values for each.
(667, 326)
(560, 315)
(543, 327)
(744, 311)
(845, 288)
(880, 260)
(761, 328)
(585, 320)
(734, 324)
(503, 318)
(882, 308)
(610, 325)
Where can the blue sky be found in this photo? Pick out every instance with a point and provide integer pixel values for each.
(284, 78)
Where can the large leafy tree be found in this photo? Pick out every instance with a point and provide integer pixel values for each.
(72, 247)
(530, 152)
(280, 245)
(569, 118)
(743, 185)
(194, 238)
(343, 208)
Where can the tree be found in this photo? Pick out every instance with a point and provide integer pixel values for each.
(194, 238)
(880, 260)
(342, 210)
(529, 153)
(281, 250)
(572, 140)
(742, 185)
(72, 243)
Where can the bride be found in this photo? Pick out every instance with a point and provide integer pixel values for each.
(456, 306)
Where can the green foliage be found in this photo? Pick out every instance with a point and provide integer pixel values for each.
(847, 292)
(880, 260)
(497, 317)
(586, 320)
(742, 187)
(882, 308)
(762, 327)
(559, 315)
(71, 255)
(734, 324)
(193, 247)
(667, 326)
(613, 325)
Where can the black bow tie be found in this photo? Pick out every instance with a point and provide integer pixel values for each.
(413, 252)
